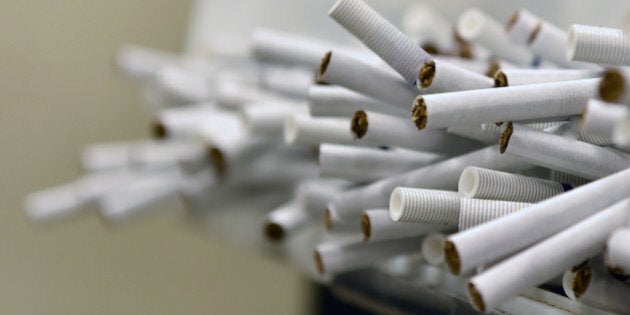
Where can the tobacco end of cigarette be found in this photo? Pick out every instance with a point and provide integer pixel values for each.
(498, 123)
(426, 74)
(534, 33)
(274, 231)
(611, 86)
(579, 266)
(618, 273)
(476, 298)
(500, 79)
(464, 47)
(493, 67)
(319, 264)
(419, 113)
(328, 221)
(504, 140)
(217, 159)
(430, 48)
(323, 66)
(366, 227)
(359, 124)
(452, 257)
(158, 130)
(511, 21)
(581, 281)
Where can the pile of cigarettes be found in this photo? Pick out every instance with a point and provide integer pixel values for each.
(498, 152)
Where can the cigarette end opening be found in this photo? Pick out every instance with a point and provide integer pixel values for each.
(476, 298)
(323, 66)
(217, 159)
(328, 221)
(493, 67)
(511, 21)
(452, 257)
(366, 226)
(534, 33)
(359, 124)
(500, 79)
(611, 86)
(419, 113)
(581, 281)
(579, 266)
(158, 130)
(426, 74)
(504, 140)
(274, 232)
(319, 264)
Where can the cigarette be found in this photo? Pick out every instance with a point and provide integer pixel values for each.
(475, 26)
(181, 85)
(378, 128)
(142, 63)
(185, 121)
(473, 212)
(304, 130)
(377, 82)
(53, 204)
(593, 287)
(336, 101)
(104, 156)
(433, 248)
(424, 206)
(442, 175)
(600, 119)
(490, 241)
(268, 119)
(483, 183)
(516, 274)
(520, 26)
(570, 179)
(513, 77)
(383, 38)
(227, 158)
(313, 196)
(600, 45)
(291, 81)
(290, 49)
(436, 77)
(164, 153)
(283, 221)
(377, 225)
(361, 165)
(534, 101)
(475, 65)
(484, 133)
(561, 153)
(426, 24)
(336, 256)
(615, 87)
(617, 252)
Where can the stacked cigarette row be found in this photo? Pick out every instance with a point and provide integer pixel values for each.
(494, 151)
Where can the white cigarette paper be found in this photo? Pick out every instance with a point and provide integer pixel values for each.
(396, 131)
(305, 130)
(284, 221)
(488, 242)
(383, 38)
(376, 225)
(336, 101)
(516, 274)
(436, 77)
(513, 77)
(481, 183)
(596, 44)
(473, 212)
(561, 153)
(268, 119)
(534, 101)
(360, 164)
(593, 287)
(600, 119)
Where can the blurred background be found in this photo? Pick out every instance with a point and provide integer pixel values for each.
(59, 91)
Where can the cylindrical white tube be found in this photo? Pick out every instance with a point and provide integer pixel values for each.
(482, 183)
(442, 175)
(291, 81)
(398, 50)
(376, 224)
(164, 153)
(600, 119)
(103, 156)
(436, 77)
(55, 203)
(313, 196)
(473, 212)
(424, 206)
(304, 130)
(476, 26)
(428, 25)
(561, 153)
(268, 119)
(513, 77)
(337, 256)
(593, 287)
(396, 131)
(618, 251)
(433, 248)
(283, 221)
(534, 101)
(184, 121)
(183, 85)
(484, 133)
(336, 101)
(488, 242)
(369, 164)
(377, 82)
(596, 44)
(615, 86)
(549, 42)
(520, 25)
(516, 274)
(570, 179)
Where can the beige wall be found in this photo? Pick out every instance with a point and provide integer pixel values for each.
(58, 92)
